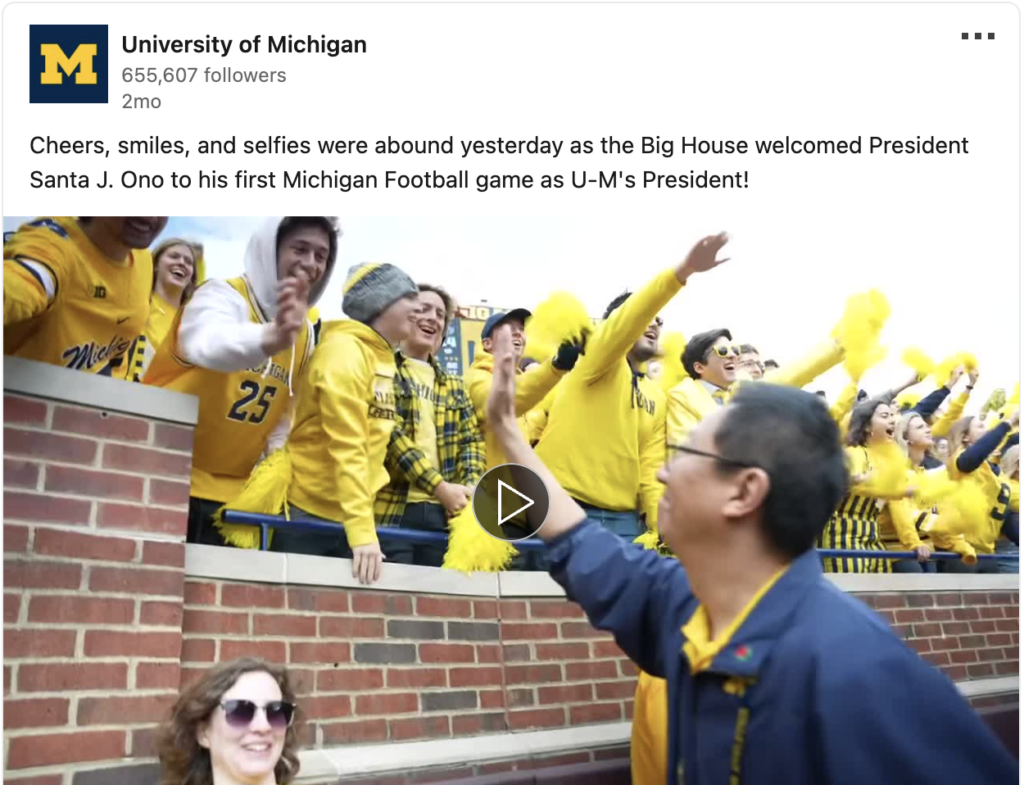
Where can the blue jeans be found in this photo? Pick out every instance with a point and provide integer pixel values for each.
(624, 523)
(314, 543)
(1010, 566)
(915, 566)
(424, 517)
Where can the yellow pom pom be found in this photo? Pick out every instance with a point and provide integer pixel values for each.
(559, 318)
(919, 361)
(471, 549)
(966, 511)
(266, 491)
(649, 540)
(859, 331)
(908, 399)
(933, 487)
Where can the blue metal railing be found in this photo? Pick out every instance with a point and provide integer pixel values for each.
(266, 522)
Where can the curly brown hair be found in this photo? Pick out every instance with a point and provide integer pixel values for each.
(183, 761)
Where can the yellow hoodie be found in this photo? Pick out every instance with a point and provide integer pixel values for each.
(690, 402)
(530, 391)
(605, 436)
(344, 415)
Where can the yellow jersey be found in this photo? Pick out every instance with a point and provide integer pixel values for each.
(66, 303)
(237, 411)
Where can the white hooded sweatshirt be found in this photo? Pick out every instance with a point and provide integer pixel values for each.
(216, 331)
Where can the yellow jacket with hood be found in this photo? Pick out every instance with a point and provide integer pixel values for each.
(531, 388)
(214, 351)
(605, 436)
(344, 416)
(689, 402)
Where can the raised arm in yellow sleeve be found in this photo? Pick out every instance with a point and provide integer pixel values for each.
(652, 458)
(25, 295)
(955, 411)
(530, 387)
(844, 404)
(904, 521)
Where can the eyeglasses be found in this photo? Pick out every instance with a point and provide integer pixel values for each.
(240, 713)
(723, 351)
(720, 459)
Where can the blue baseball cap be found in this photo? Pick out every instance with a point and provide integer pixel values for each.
(503, 316)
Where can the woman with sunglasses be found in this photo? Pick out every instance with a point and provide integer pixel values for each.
(232, 727)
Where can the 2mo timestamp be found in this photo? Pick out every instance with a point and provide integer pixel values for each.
(140, 102)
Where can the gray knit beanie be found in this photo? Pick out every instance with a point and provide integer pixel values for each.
(371, 288)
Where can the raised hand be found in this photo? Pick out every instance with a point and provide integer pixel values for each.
(292, 307)
(702, 256)
(501, 405)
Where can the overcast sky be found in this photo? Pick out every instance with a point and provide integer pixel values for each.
(779, 292)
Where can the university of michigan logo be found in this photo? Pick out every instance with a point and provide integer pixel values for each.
(67, 64)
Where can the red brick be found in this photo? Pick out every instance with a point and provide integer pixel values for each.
(1006, 668)
(971, 641)
(563, 651)
(945, 644)
(165, 554)
(143, 460)
(485, 609)
(938, 614)
(516, 653)
(955, 627)
(319, 600)
(7, 679)
(607, 649)
(524, 632)
(963, 656)
(325, 707)
(81, 610)
(576, 693)
(470, 724)
(157, 520)
(12, 608)
(444, 606)
(124, 711)
(271, 651)
(91, 422)
(388, 604)
(128, 580)
(20, 474)
(57, 749)
(497, 768)
(200, 593)
(158, 676)
(235, 595)
(882, 601)
(966, 614)
(903, 630)
(566, 759)
(511, 610)
(446, 652)
(355, 732)
(934, 629)
(991, 612)
(1000, 598)
(1003, 625)
(215, 623)
(904, 617)
(190, 676)
(999, 639)
(419, 728)
(283, 626)
(144, 743)
(93, 484)
(334, 627)
(580, 629)
(490, 654)
(387, 703)
(536, 718)
(24, 410)
(41, 575)
(44, 446)
(46, 509)
(492, 699)
(555, 609)
(173, 437)
(628, 668)
(74, 676)
(320, 652)
(612, 753)
(595, 712)
(38, 644)
(1011, 611)
(956, 672)
(920, 600)
(920, 645)
(615, 690)
(168, 492)
(15, 539)
(989, 655)
(475, 677)
(532, 674)
(55, 542)
(351, 679)
(981, 670)
(35, 713)
(417, 677)
(518, 699)
(1011, 653)
(981, 627)
(198, 650)
(948, 599)
(937, 658)
(99, 643)
(578, 671)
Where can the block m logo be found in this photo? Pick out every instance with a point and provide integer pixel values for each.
(68, 64)
(56, 61)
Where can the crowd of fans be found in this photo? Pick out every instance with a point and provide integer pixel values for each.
(356, 421)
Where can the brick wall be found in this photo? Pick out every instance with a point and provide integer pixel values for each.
(95, 507)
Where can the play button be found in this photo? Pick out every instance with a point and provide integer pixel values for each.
(510, 502)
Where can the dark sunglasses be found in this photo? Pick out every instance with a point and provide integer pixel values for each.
(720, 459)
(723, 351)
(240, 713)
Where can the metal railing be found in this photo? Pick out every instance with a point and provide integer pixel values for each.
(267, 522)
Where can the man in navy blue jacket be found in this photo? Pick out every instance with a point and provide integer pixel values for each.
(775, 677)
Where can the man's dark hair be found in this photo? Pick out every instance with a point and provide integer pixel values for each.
(861, 395)
(748, 348)
(698, 346)
(770, 364)
(791, 435)
(821, 394)
(616, 303)
(860, 419)
(450, 306)
(291, 225)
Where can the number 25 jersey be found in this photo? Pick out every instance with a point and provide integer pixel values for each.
(237, 410)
